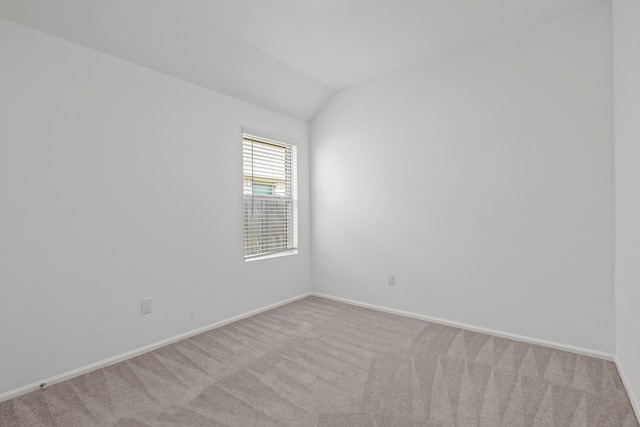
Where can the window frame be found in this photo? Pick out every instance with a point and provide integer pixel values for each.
(288, 200)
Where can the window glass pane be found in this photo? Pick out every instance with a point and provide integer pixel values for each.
(262, 189)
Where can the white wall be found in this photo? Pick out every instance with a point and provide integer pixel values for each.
(483, 180)
(118, 183)
(626, 48)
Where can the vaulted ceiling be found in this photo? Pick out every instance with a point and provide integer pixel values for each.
(286, 55)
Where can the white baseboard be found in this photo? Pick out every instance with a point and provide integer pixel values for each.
(632, 397)
(516, 337)
(138, 351)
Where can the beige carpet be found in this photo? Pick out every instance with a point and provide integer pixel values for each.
(319, 362)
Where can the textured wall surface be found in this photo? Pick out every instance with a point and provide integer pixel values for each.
(626, 38)
(119, 183)
(483, 180)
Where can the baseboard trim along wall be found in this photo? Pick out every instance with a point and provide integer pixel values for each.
(516, 337)
(635, 404)
(138, 351)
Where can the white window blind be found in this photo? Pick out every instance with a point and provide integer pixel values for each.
(270, 197)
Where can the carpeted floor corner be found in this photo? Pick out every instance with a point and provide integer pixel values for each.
(316, 362)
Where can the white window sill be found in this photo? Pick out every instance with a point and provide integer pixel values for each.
(276, 255)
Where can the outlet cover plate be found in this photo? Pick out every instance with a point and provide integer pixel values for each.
(146, 305)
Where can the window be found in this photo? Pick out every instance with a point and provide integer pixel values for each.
(270, 197)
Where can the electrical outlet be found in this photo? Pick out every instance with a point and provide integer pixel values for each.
(391, 279)
(146, 305)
